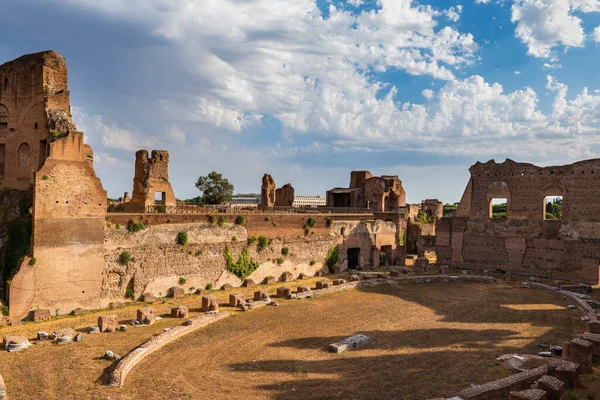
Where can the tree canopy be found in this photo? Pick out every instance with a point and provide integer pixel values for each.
(215, 189)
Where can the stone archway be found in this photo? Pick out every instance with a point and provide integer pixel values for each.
(23, 162)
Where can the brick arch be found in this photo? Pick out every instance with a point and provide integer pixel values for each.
(3, 111)
(24, 161)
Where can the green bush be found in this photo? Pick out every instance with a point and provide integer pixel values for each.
(234, 238)
(311, 222)
(182, 238)
(312, 262)
(329, 222)
(212, 219)
(209, 286)
(424, 218)
(285, 251)
(133, 226)
(402, 238)
(199, 253)
(118, 226)
(306, 231)
(240, 220)
(251, 240)
(182, 280)
(32, 261)
(125, 258)
(263, 242)
(221, 221)
(280, 260)
(332, 258)
(244, 266)
(129, 294)
(4, 309)
(45, 177)
(161, 208)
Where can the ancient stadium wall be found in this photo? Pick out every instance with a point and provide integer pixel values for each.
(158, 262)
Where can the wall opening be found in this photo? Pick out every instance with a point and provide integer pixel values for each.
(553, 206)
(2, 160)
(498, 207)
(43, 152)
(385, 257)
(160, 197)
(24, 170)
(353, 257)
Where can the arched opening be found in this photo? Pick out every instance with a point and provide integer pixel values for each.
(24, 169)
(129, 291)
(553, 205)
(498, 200)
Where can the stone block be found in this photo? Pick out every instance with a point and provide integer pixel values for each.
(148, 298)
(593, 326)
(286, 277)
(302, 289)
(594, 339)
(42, 336)
(528, 394)
(444, 269)
(323, 284)
(509, 277)
(565, 371)
(176, 292)
(394, 273)
(485, 272)
(337, 282)
(64, 335)
(249, 283)
(180, 312)
(236, 299)
(421, 265)
(209, 303)
(554, 387)
(580, 351)
(2, 389)
(320, 273)
(337, 269)
(108, 323)
(269, 280)
(350, 343)
(226, 286)
(284, 292)
(580, 288)
(302, 276)
(261, 295)
(146, 315)
(354, 278)
(15, 343)
(40, 315)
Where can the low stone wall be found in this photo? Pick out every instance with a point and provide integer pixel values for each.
(117, 378)
(500, 389)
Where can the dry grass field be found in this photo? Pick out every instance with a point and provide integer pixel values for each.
(428, 340)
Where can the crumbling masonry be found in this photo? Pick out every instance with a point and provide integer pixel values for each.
(151, 182)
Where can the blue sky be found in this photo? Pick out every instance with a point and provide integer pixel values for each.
(308, 90)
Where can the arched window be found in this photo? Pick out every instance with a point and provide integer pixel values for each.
(24, 170)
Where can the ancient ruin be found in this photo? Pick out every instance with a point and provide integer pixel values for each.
(151, 184)
(525, 242)
(365, 191)
(284, 196)
(267, 191)
(433, 208)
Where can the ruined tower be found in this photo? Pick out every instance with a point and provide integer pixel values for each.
(267, 191)
(284, 196)
(151, 182)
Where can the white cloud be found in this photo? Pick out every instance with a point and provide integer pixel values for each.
(545, 24)
(596, 34)
(453, 13)
(482, 1)
(356, 3)
(517, 72)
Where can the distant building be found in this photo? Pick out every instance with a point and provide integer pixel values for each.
(245, 200)
(309, 201)
(433, 208)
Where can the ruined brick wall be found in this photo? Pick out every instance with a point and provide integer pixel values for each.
(383, 193)
(284, 196)
(432, 207)
(267, 191)
(524, 242)
(34, 108)
(152, 177)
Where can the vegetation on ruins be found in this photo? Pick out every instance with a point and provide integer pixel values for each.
(215, 189)
(402, 238)
(125, 258)
(199, 253)
(279, 260)
(332, 258)
(129, 293)
(554, 209)
(244, 266)
(212, 219)
(285, 251)
(209, 286)
(17, 245)
(221, 221)
(263, 242)
(312, 262)
(4, 309)
(182, 280)
(310, 222)
(45, 177)
(240, 220)
(182, 238)
(133, 226)
(234, 238)
(32, 261)
(306, 231)
(251, 240)
(424, 218)
(329, 222)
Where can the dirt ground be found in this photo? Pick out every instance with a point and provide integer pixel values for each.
(428, 341)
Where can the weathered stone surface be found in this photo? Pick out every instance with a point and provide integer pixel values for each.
(284, 292)
(323, 284)
(320, 273)
(302, 276)
(42, 336)
(146, 315)
(528, 394)
(303, 289)
(226, 286)
(249, 283)
(554, 387)
(108, 323)
(581, 288)
(579, 351)
(350, 343)
(236, 299)
(284, 196)
(421, 265)
(2, 389)
(267, 191)
(180, 312)
(148, 298)
(566, 371)
(593, 326)
(261, 295)
(40, 315)
(444, 269)
(152, 176)
(15, 343)
(269, 280)
(337, 282)
(501, 388)
(210, 303)
(176, 292)
(594, 339)
(354, 278)
(286, 277)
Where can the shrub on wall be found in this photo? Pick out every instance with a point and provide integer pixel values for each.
(182, 280)
(329, 222)
(263, 242)
(129, 294)
(182, 238)
(221, 221)
(4, 309)
(251, 240)
(332, 258)
(244, 266)
(279, 261)
(125, 258)
(240, 220)
(234, 238)
(310, 222)
(285, 251)
(133, 226)
(312, 262)
(212, 219)
(209, 286)
(32, 261)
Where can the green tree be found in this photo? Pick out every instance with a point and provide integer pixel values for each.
(215, 189)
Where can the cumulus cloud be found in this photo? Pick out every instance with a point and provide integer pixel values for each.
(596, 34)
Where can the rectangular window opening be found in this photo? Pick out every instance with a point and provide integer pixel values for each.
(553, 207)
(159, 197)
(498, 207)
